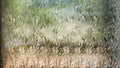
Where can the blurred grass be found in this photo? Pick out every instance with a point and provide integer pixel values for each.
(36, 32)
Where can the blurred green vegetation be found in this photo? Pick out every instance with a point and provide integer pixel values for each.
(24, 12)
(42, 17)
(51, 19)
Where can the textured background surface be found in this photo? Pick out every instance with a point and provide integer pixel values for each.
(65, 29)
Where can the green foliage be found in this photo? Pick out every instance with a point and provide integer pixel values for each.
(23, 11)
